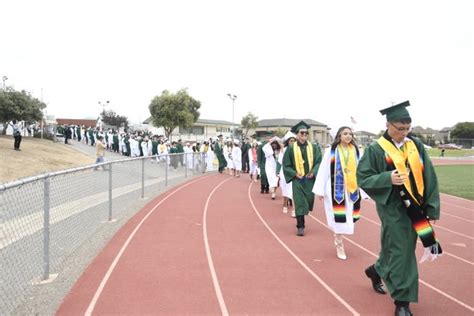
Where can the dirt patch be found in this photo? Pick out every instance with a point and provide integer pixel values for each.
(37, 156)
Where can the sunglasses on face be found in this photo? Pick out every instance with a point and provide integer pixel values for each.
(401, 129)
(303, 132)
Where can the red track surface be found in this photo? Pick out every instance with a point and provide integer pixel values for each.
(216, 245)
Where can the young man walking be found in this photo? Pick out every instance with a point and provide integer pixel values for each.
(300, 166)
(398, 175)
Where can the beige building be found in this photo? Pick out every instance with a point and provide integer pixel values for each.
(202, 130)
(318, 132)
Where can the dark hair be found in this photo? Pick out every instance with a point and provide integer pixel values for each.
(337, 139)
(287, 142)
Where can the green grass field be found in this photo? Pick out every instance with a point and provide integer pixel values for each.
(435, 152)
(456, 180)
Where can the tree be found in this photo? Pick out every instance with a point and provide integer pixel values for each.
(463, 130)
(19, 105)
(280, 132)
(248, 122)
(172, 110)
(113, 119)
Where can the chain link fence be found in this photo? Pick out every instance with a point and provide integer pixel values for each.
(44, 219)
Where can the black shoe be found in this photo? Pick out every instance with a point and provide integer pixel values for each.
(377, 285)
(403, 311)
(300, 232)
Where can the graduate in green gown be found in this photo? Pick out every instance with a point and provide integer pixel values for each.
(261, 160)
(219, 152)
(398, 175)
(300, 166)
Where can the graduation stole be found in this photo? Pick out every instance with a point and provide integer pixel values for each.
(299, 158)
(408, 160)
(340, 171)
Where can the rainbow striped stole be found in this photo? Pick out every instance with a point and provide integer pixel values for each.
(338, 190)
(412, 191)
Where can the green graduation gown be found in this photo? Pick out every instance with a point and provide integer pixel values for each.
(396, 264)
(261, 164)
(218, 150)
(303, 196)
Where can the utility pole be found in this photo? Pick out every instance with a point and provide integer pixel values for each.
(232, 97)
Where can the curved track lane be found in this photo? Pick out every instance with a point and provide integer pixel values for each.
(216, 246)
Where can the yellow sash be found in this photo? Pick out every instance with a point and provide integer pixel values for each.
(349, 165)
(400, 157)
(299, 158)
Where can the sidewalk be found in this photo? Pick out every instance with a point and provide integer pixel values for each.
(90, 150)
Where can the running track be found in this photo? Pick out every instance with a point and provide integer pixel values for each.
(216, 246)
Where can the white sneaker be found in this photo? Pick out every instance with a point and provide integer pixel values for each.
(285, 210)
(273, 195)
(293, 214)
(341, 254)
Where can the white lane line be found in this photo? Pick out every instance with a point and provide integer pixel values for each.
(444, 251)
(421, 281)
(458, 217)
(442, 228)
(458, 206)
(456, 197)
(314, 275)
(104, 281)
(215, 280)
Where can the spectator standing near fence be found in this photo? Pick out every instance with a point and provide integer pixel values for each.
(17, 131)
(300, 166)
(100, 151)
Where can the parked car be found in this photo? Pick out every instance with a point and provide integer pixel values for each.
(449, 146)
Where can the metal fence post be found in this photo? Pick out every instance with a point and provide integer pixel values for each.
(166, 169)
(110, 192)
(185, 158)
(46, 215)
(143, 178)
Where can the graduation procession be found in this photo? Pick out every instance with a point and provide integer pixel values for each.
(274, 223)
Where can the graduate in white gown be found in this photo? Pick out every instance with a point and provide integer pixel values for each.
(210, 158)
(341, 200)
(237, 158)
(253, 161)
(271, 150)
(286, 188)
(134, 147)
(228, 155)
(188, 154)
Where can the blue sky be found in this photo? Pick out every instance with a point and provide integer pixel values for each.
(324, 60)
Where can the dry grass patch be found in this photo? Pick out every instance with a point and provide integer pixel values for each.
(37, 156)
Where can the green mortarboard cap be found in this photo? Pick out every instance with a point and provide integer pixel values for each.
(299, 126)
(267, 133)
(397, 112)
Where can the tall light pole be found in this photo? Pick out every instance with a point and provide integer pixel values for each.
(103, 104)
(4, 78)
(232, 97)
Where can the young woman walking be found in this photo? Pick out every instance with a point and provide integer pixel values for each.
(336, 184)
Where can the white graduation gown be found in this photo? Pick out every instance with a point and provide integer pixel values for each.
(210, 159)
(322, 186)
(227, 153)
(237, 158)
(270, 165)
(286, 188)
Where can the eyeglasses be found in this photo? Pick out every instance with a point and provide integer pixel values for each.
(303, 133)
(401, 129)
